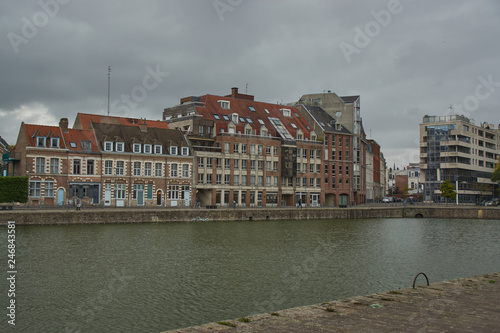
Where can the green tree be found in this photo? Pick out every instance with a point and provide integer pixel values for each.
(448, 190)
(14, 189)
(406, 189)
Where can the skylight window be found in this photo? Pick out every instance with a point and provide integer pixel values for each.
(249, 120)
(242, 119)
(267, 111)
(225, 117)
(251, 108)
(216, 116)
(293, 125)
(261, 121)
(72, 144)
(296, 114)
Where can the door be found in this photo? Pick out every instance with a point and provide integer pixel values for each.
(60, 197)
(140, 195)
(107, 196)
(314, 200)
(343, 200)
(158, 198)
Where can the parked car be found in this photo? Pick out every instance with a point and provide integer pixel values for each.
(387, 199)
(493, 202)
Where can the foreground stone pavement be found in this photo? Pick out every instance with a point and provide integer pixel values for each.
(462, 305)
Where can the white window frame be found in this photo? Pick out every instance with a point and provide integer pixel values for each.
(108, 146)
(185, 170)
(173, 170)
(185, 151)
(158, 149)
(136, 148)
(41, 141)
(54, 142)
(226, 105)
(158, 169)
(148, 149)
(173, 150)
(120, 147)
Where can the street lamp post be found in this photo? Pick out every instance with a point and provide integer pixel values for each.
(456, 187)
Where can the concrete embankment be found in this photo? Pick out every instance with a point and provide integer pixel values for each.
(148, 215)
(463, 305)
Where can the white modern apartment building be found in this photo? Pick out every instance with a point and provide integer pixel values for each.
(454, 148)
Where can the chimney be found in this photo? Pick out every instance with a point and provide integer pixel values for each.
(63, 124)
(234, 92)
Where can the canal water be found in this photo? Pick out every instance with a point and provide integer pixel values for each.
(155, 277)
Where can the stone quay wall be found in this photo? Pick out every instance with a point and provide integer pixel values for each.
(148, 215)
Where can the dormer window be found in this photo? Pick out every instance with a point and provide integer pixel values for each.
(173, 150)
(147, 149)
(54, 142)
(108, 146)
(120, 147)
(286, 112)
(86, 145)
(300, 136)
(185, 151)
(224, 104)
(158, 149)
(234, 118)
(40, 141)
(136, 147)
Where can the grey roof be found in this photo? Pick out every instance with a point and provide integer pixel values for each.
(323, 119)
(349, 99)
(134, 134)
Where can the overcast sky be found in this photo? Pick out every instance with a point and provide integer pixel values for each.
(404, 58)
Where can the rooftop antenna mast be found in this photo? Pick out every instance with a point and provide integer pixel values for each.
(246, 88)
(109, 85)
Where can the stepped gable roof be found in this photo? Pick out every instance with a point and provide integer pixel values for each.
(135, 134)
(257, 115)
(83, 121)
(349, 99)
(325, 120)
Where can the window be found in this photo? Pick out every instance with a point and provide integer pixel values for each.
(185, 151)
(224, 104)
(260, 164)
(286, 112)
(173, 170)
(137, 168)
(261, 121)
(234, 118)
(236, 148)
(252, 164)
(54, 165)
(244, 148)
(72, 145)
(268, 150)
(147, 149)
(340, 170)
(311, 182)
(209, 178)
(54, 142)
(249, 120)
(226, 179)
(40, 165)
(120, 147)
(236, 180)
(267, 111)
(108, 167)
(226, 163)
(150, 191)
(252, 180)
(35, 188)
(185, 171)
(216, 116)
(49, 188)
(275, 181)
(259, 180)
(108, 146)
(90, 167)
(300, 136)
(120, 192)
(275, 151)
(347, 142)
(340, 142)
(120, 166)
(275, 166)
(268, 180)
(40, 141)
(219, 163)
(304, 153)
(340, 155)
(209, 162)
(304, 167)
(293, 125)
(304, 182)
(243, 180)
(147, 169)
(225, 117)
(201, 162)
(236, 164)
(311, 168)
(260, 149)
(347, 155)
(318, 182)
(242, 119)
(218, 179)
(252, 149)
(173, 192)
(86, 145)
(201, 178)
(346, 169)
(251, 108)
(76, 167)
(318, 168)
(158, 169)
(244, 164)
(158, 149)
(173, 150)
(137, 147)
(318, 153)
(268, 165)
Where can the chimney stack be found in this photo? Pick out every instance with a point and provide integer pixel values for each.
(234, 92)
(63, 124)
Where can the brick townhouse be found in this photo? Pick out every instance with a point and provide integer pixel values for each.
(110, 161)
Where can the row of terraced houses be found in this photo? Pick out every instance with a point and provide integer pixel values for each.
(207, 151)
